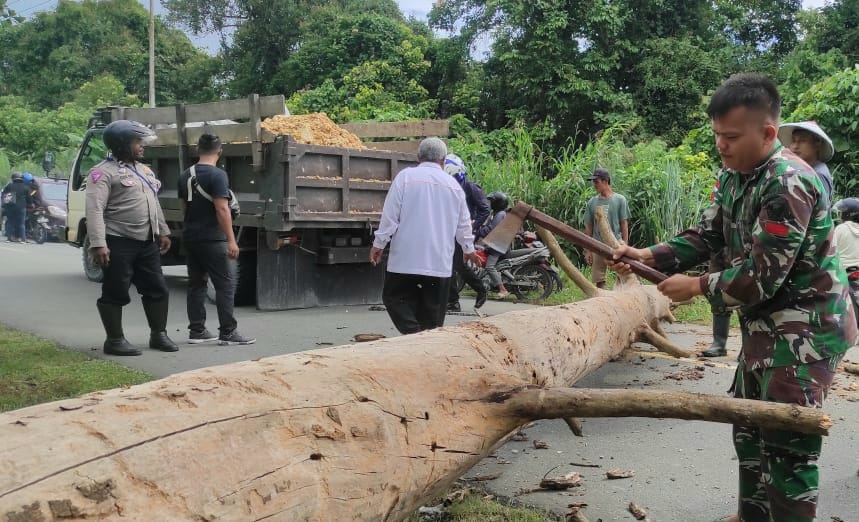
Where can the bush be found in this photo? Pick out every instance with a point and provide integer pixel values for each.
(667, 188)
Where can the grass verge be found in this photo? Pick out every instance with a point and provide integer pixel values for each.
(465, 504)
(34, 370)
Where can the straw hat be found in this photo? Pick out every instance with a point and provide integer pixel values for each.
(785, 133)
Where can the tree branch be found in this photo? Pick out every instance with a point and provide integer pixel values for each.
(566, 265)
(556, 403)
(662, 343)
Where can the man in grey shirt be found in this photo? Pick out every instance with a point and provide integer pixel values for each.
(617, 212)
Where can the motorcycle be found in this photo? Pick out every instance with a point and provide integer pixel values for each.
(853, 282)
(526, 272)
(38, 225)
(529, 239)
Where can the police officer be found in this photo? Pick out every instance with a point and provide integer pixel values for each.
(128, 234)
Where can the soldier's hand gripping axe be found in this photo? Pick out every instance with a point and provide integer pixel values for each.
(502, 236)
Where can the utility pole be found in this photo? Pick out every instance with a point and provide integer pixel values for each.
(152, 53)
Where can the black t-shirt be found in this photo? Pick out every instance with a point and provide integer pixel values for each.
(201, 223)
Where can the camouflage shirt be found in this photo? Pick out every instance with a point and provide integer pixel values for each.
(783, 275)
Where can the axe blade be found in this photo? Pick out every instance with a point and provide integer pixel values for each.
(503, 234)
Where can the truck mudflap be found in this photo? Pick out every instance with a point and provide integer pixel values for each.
(290, 278)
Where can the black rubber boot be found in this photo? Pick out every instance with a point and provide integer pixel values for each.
(156, 315)
(115, 343)
(721, 327)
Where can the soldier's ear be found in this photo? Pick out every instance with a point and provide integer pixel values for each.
(770, 132)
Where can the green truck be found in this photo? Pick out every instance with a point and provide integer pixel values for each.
(307, 211)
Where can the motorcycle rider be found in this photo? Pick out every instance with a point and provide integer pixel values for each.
(16, 199)
(847, 244)
(128, 234)
(498, 202)
(478, 207)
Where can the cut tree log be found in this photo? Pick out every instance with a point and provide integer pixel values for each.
(365, 432)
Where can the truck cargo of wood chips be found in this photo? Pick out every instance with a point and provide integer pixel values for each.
(307, 211)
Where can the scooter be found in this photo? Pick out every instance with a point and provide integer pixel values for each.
(853, 282)
(523, 272)
(529, 239)
(38, 225)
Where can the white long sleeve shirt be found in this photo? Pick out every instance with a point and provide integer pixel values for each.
(847, 243)
(424, 212)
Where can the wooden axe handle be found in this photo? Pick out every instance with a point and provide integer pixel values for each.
(579, 239)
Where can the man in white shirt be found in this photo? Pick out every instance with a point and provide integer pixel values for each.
(424, 213)
(847, 244)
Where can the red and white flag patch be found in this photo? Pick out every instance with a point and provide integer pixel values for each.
(776, 229)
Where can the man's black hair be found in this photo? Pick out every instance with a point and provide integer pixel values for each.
(751, 90)
(208, 144)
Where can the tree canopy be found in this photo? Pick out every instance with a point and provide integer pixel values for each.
(48, 57)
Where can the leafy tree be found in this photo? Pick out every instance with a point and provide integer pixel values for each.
(28, 131)
(834, 104)
(49, 56)
(334, 43)
(840, 28)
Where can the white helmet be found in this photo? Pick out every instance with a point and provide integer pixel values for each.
(454, 166)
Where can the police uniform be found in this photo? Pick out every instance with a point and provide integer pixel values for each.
(784, 279)
(123, 214)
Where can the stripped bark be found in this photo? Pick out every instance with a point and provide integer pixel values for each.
(362, 432)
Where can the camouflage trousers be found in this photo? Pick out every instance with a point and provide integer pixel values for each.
(778, 469)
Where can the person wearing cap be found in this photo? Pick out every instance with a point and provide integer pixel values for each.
(808, 141)
(617, 212)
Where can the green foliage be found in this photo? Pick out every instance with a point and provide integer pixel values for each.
(834, 104)
(666, 188)
(48, 57)
(839, 29)
(384, 90)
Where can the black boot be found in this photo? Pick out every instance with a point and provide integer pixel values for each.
(721, 326)
(111, 318)
(156, 315)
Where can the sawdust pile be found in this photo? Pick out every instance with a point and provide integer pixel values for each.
(312, 129)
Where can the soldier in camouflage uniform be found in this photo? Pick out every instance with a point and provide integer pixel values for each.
(771, 217)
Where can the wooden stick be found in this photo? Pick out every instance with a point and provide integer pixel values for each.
(579, 239)
(606, 234)
(578, 278)
(663, 344)
(565, 402)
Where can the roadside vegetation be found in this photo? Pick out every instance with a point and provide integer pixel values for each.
(34, 370)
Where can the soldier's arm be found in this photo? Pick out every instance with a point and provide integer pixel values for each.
(97, 194)
(163, 229)
(787, 209)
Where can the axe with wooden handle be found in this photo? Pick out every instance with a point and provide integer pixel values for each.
(503, 234)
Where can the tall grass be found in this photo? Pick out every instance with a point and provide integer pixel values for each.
(666, 189)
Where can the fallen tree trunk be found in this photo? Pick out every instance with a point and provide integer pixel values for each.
(357, 432)
(364, 432)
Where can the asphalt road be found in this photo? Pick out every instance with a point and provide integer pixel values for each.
(684, 471)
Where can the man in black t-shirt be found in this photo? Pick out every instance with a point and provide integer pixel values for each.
(211, 249)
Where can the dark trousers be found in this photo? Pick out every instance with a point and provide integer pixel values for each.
(16, 223)
(208, 260)
(466, 273)
(415, 302)
(132, 261)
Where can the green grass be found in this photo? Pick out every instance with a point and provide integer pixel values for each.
(473, 507)
(34, 370)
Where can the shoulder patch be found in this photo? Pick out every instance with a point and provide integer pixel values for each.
(776, 229)
(96, 175)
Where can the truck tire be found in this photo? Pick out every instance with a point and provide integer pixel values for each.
(92, 271)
